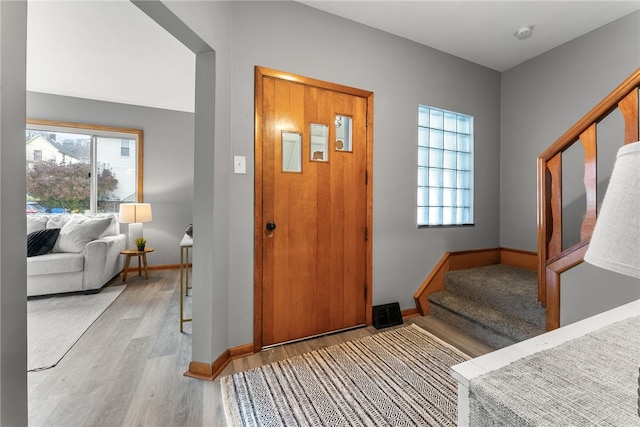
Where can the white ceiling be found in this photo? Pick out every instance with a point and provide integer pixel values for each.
(111, 51)
(483, 31)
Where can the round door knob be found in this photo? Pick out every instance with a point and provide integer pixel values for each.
(271, 226)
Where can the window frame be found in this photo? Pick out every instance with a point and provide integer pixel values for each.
(422, 188)
(98, 131)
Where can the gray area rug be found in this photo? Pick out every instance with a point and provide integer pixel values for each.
(393, 378)
(56, 323)
(588, 381)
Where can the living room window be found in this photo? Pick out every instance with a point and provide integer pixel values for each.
(82, 168)
(445, 167)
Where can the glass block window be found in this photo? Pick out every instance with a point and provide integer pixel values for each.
(445, 167)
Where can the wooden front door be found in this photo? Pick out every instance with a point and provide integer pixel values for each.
(313, 208)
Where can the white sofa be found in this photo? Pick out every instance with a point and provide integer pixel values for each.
(85, 256)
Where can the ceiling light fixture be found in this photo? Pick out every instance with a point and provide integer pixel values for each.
(524, 32)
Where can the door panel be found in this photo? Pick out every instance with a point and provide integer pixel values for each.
(315, 264)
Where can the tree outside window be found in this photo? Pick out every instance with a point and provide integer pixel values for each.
(82, 170)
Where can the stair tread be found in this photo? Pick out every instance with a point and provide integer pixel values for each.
(514, 327)
(502, 287)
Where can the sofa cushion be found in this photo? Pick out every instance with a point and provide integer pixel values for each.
(36, 222)
(55, 263)
(42, 241)
(58, 221)
(79, 231)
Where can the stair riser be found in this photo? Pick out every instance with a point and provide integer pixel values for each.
(481, 332)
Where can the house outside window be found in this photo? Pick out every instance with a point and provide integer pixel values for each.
(445, 168)
(124, 147)
(83, 170)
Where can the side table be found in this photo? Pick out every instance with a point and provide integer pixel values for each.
(142, 261)
(185, 244)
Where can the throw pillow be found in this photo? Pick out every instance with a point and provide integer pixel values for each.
(58, 220)
(79, 231)
(42, 241)
(114, 225)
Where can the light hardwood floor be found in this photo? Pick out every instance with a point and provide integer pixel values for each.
(127, 369)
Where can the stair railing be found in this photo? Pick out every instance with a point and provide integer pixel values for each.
(552, 259)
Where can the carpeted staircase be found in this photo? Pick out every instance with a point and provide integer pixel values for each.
(497, 304)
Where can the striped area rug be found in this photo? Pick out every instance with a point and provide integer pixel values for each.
(399, 377)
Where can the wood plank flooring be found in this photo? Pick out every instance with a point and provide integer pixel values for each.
(127, 369)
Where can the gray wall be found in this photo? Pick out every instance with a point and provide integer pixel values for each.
(557, 89)
(541, 99)
(13, 260)
(402, 74)
(587, 290)
(292, 37)
(214, 243)
(168, 160)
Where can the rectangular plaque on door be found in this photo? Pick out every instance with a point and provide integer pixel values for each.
(291, 152)
(343, 133)
(319, 142)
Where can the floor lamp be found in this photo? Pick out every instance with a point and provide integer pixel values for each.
(615, 244)
(135, 214)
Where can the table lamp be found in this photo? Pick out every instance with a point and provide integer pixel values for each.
(615, 243)
(135, 214)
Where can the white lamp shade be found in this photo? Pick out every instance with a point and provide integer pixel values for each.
(135, 213)
(615, 244)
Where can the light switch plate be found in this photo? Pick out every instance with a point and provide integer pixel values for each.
(239, 164)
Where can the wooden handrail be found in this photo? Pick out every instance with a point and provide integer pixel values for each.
(552, 259)
(597, 113)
